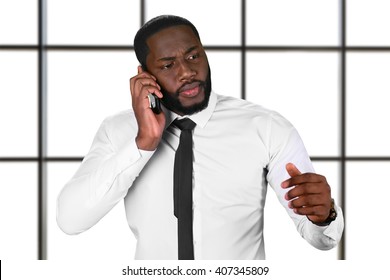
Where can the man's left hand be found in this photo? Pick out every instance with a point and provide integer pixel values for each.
(311, 195)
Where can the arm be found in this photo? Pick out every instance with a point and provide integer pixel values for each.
(310, 195)
(305, 195)
(106, 173)
(150, 126)
(120, 150)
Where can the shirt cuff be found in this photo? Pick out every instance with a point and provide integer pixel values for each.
(335, 228)
(326, 237)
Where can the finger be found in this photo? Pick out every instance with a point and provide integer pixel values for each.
(144, 75)
(142, 71)
(147, 81)
(143, 86)
(141, 74)
(315, 213)
(292, 170)
(146, 90)
(146, 78)
(152, 88)
(134, 80)
(306, 201)
(304, 189)
(303, 179)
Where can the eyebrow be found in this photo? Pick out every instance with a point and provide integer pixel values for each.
(169, 58)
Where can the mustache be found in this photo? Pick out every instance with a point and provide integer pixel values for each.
(190, 85)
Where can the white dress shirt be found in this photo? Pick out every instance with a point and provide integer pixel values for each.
(239, 148)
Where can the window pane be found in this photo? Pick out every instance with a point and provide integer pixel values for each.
(83, 89)
(92, 21)
(225, 80)
(367, 207)
(110, 238)
(368, 87)
(18, 103)
(368, 22)
(303, 87)
(18, 211)
(299, 22)
(218, 22)
(18, 22)
(277, 221)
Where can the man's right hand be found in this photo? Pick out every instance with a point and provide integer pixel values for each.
(150, 125)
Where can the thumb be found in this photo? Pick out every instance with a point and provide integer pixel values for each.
(292, 170)
(140, 69)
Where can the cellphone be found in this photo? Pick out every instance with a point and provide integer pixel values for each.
(155, 104)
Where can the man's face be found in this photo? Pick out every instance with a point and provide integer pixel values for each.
(178, 61)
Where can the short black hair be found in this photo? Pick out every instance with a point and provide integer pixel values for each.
(153, 26)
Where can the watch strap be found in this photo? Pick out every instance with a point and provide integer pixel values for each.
(332, 216)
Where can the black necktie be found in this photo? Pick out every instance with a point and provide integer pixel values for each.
(182, 189)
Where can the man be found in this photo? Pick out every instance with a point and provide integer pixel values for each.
(238, 149)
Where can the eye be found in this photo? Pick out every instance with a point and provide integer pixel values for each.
(167, 66)
(193, 56)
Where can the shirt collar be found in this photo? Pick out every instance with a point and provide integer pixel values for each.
(201, 118)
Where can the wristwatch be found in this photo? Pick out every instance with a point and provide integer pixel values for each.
(332, 216)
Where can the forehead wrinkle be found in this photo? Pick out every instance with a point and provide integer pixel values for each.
(169, 58)
(171, 43)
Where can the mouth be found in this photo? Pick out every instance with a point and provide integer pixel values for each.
(190, 90)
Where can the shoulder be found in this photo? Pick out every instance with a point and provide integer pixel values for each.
(240, 106)
(246, 110)
(120, 116)
(123, 119)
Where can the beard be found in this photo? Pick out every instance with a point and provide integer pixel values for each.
(171, 100)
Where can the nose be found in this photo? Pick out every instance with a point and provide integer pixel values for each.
(186, 72)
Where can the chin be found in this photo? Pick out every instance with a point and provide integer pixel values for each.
(200, 102)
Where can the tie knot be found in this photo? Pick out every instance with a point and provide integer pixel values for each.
(184, 124)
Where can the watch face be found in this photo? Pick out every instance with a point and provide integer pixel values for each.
(333, 214)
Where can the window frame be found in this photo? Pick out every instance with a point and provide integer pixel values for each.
(42, 48)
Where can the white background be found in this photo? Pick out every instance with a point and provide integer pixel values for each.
(85, 86)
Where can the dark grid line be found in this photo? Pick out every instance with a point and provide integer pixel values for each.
(314, 158)
(343, 120)
(243, 49)
(246, 48)
(42, 109)
(142, 12)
